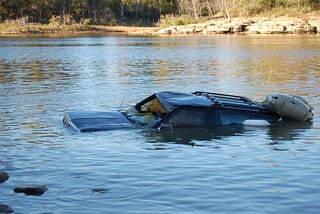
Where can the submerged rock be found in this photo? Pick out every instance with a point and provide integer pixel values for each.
(5, 209)
(3, 176)
(31, 190)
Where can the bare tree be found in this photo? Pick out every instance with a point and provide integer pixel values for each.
(209, 8)
(226, 4)
(195, 9)
(137, 9)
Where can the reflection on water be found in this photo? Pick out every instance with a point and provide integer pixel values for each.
(223, 169)
(189, 136)
(288, 130)
(194, 136)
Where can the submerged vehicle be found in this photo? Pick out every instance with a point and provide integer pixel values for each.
(174, 109)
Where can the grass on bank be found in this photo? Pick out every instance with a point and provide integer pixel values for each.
(57, 24)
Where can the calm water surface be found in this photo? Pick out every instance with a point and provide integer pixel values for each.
(222, 170)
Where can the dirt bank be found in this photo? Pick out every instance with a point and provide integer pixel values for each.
(35, 28)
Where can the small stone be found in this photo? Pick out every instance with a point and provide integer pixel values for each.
(5, 209)
(31, 190)
(3, 176)
(100, 190)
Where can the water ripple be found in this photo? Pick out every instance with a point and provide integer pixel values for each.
(187, 170)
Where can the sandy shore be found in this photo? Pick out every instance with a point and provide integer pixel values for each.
(126, 29)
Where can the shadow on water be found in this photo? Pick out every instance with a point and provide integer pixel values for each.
(188, 136)
(287, 130)
(195, 136)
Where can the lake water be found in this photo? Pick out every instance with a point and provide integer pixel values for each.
(222, 170)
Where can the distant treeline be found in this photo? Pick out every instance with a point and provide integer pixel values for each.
(111, 12)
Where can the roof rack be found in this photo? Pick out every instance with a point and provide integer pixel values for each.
(229, 100)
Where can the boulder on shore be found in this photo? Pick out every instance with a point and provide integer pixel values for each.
(282, 25)
(279, 25)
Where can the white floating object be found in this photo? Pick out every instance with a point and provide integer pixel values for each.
(260, 123)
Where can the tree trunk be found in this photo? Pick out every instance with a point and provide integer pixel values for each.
(137, 8)
(121, 9)
(194, 6)
(227, 10)
(209, 8)
(94, 11)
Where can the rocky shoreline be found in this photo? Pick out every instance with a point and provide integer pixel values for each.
(255, 25)
(249, 26)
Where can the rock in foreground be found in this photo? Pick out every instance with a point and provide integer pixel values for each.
(5, 209)
(3, 176)
(31, 190)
